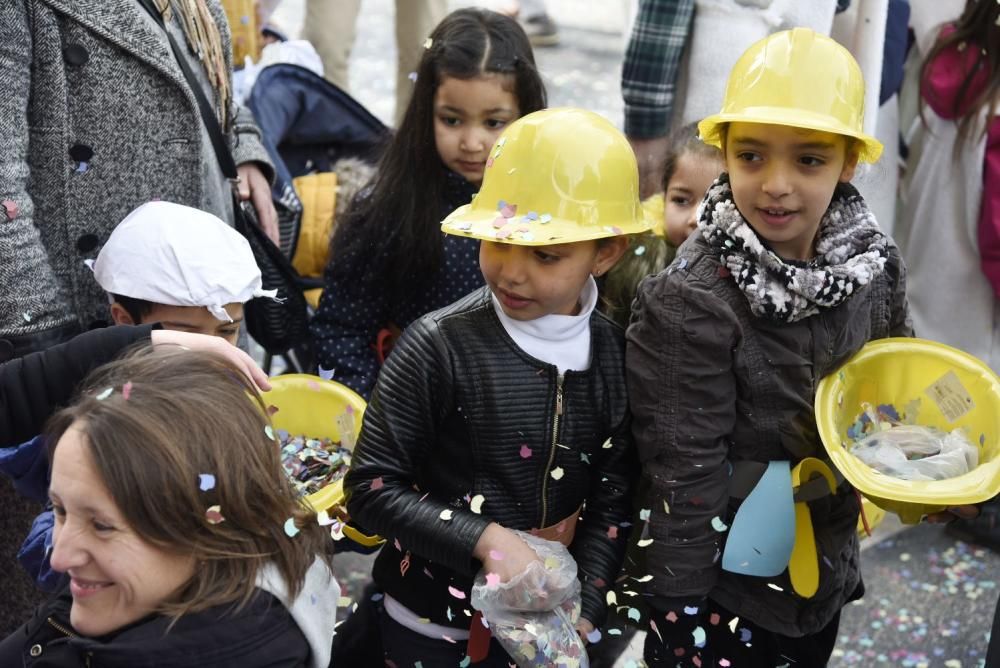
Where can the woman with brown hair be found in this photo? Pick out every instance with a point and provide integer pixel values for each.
(182, 540)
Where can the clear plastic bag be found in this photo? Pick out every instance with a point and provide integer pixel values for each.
(913, 452)
(534, 614)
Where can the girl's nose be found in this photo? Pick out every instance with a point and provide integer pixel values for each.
(776, 182)
(473, 141)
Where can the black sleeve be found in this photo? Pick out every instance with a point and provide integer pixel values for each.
(33, 387)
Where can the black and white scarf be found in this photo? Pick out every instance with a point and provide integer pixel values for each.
(851, 251)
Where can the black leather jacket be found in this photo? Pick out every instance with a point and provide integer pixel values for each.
(460, 411)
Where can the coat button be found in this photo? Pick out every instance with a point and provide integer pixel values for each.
(36, 650)
(81, 152)
(86, 243)
(76, 55)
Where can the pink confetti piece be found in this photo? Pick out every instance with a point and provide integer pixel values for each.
(127, 390)
(714, 619)
(271, 410)
(671, 616)
(500, 222)
(509, 211)
(492, 580)
(613, 533)
(696, 660)
(489, 162)
(525, 452)
(503, 234)
(724, 663)
(10, 208)
(457, 593)
(497, 555)
(377, 484)
(404, 565)
(451, 640)
(213, 515)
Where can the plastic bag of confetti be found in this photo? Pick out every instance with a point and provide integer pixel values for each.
(534, 614)
(914, 452)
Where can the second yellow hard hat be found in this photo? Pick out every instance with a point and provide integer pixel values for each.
(555, 176)
(796, 78)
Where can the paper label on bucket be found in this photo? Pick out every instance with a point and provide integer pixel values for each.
(951, 397)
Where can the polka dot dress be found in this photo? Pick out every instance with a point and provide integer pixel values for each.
(351, 313)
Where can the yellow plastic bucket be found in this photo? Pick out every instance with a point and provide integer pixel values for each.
(933, 385)
(310, 406)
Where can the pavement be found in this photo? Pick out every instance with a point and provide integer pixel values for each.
(930, 597)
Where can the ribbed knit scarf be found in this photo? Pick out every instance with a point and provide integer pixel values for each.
(850, 252)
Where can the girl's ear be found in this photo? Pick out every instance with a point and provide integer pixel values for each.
(609, 251)
(850, 164)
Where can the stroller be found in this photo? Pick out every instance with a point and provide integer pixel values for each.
(324, 145)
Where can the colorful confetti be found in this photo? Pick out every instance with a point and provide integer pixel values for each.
(105, 393)
(127, 390)
(476, 505)
(525, 452)
(557, 473)
(446, 515)
(290, 529)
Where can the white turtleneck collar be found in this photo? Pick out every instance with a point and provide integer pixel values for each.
(560, 340)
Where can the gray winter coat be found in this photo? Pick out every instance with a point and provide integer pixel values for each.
(88, 81)
(711, 384)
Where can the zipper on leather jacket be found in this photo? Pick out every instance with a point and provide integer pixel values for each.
(65, 631)
(552, 450)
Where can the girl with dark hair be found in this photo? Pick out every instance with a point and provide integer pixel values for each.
(389, 262)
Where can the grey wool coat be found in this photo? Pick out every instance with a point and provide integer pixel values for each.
(88, 81)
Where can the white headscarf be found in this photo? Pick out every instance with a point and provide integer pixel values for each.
(175, 255)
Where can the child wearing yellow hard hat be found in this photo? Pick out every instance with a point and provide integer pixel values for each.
(787, 276)
(508, 410)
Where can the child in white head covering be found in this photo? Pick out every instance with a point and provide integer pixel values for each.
(181, 267)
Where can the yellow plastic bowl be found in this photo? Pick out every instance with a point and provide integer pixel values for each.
(310, 406)
(954, 390)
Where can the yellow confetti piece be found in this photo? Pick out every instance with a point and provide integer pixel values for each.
(476, 505)
(644, 578)
(612, 599)
(446, 515)
(344, 601)
(428, 43)
(733, 623)
(666, 508)
(105, 394)
(557, 473)
(646, 542)
(551, 563)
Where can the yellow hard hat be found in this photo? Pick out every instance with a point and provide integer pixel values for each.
(555, 176)
(931, 384)
(798, 78)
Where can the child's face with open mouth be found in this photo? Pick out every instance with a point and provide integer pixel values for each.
(783, 179)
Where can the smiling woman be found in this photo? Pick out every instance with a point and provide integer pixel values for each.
(176, 545)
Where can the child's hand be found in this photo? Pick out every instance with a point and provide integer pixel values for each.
(584, 628)
(955, 512)
(503, 552)
(217, 345)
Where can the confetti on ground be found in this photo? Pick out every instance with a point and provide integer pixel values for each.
(932, 608)
(206, 481)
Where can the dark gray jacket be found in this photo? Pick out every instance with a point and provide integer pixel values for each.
(711, 384)
(88, 81)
